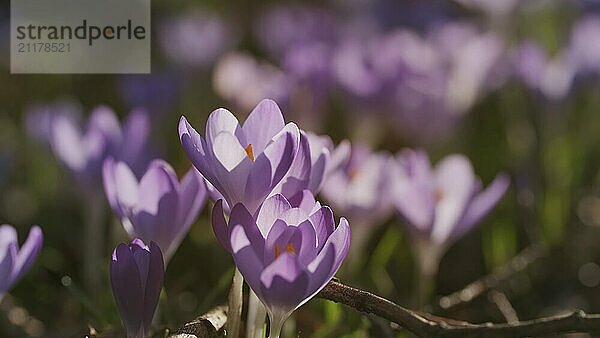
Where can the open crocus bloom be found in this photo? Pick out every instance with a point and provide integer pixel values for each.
(83, 150)
(136, 277)
(157, 208)
(244, 163)
(286, 254)
(441, 204)
(14, 262)
(359, 187)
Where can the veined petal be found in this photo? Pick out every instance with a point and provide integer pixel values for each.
(271, 209)
(246, 259)
(284, 283)
(241, 216)
(324, 224)
(298, 177)
(197, 150)
(231, 167)
(263, 123)
(272, 165)
(340, 240)
(222, 120)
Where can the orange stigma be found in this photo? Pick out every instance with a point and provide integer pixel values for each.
(290, 249)
(353, 173)
(277, 251)
(249, 152)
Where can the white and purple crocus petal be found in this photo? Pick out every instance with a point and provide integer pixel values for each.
(83, 150)
(443, 203)
(158, 208)
(286, 254)
(15, 261)
(360, 187)
(136, 277)
(244, 163)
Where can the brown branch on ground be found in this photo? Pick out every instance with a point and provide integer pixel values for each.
(501, 274)
(428, 325)
(420, 323)
(205, 326)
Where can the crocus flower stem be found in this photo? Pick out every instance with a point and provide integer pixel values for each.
(276, 321)
(256, 317)
(236, 300)
(427, 258)
(94, 240)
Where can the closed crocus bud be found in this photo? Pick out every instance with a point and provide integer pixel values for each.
(286, 254)
(15, 261)
(243, 162)
(158, 208)
(440, 204)
(136, 278)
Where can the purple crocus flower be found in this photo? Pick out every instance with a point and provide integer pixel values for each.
(286, 254)
(243, 80)
(158, 208)
(136, 277)
(244, 163)
(84, 150)
(195, 39)
(440, 204)
(359, 188)
(15, 261)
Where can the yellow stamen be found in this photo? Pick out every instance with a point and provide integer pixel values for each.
(289, 248)
(249, 152)
(277, 251)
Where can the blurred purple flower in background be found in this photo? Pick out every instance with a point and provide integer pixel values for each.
(284, 26)
(158, 208)
(287, 254)
(440, 205)
(244, 163)
(584, 45)
(242, 80)
(195, 39)
(359, 189)
(136, 277)
(530, 61)
(15, 261)
(38, 118)
(83, 150)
